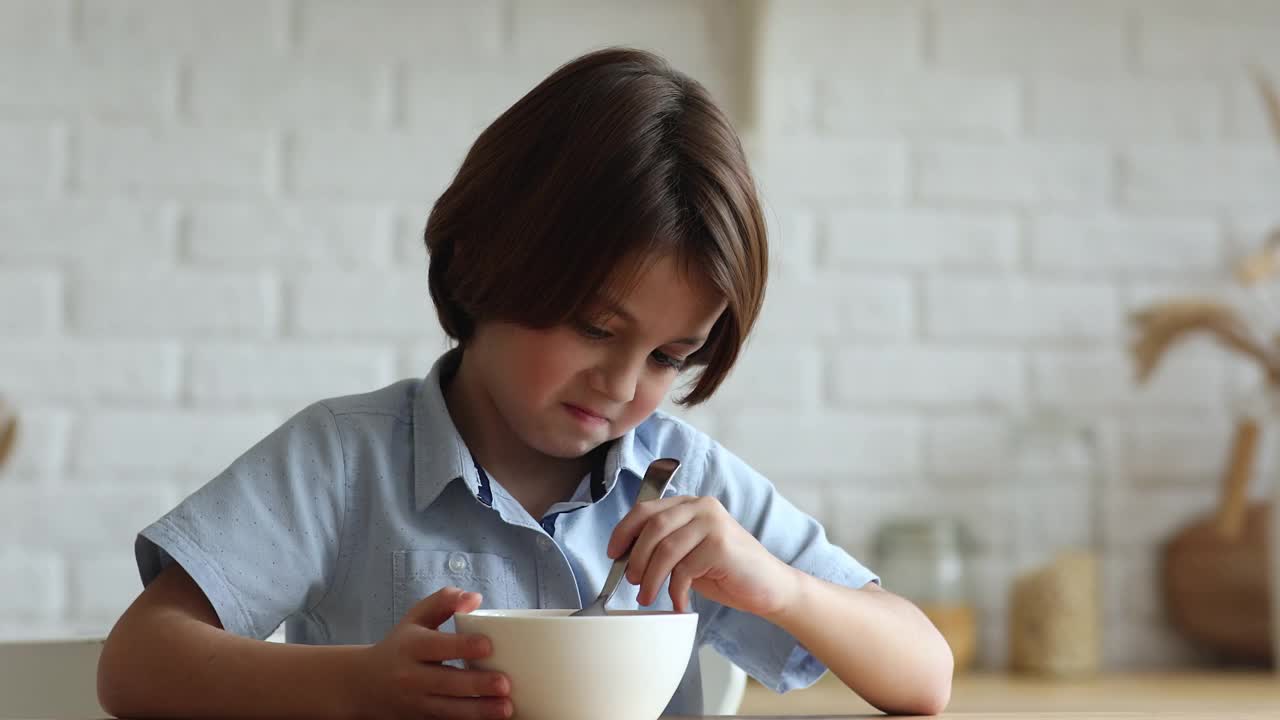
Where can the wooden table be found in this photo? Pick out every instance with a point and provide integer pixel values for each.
(1214, 715)
(1186, 695)
(1148, 696)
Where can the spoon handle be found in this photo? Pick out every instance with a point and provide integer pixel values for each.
(656, 479)
(615, 576)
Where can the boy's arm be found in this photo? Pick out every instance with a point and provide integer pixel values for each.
(878, 644)
(146, 665)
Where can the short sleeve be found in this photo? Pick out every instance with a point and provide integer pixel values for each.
(262, 538)
(766, 651)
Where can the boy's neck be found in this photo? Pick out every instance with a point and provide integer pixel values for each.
(536, 480)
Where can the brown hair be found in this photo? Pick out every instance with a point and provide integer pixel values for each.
(614, 159)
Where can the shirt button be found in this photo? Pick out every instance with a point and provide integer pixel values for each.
(544, 543)
(457, 562)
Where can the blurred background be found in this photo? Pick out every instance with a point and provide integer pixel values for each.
(211, 215)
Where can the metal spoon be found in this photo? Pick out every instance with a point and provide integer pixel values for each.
(656, 478)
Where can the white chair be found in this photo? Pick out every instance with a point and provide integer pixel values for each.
(50, 679)
(723, 683)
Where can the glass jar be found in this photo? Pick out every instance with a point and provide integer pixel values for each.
(1054, 619)
(928, 560)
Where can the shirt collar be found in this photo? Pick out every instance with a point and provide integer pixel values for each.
(627, 454)
(441, 456)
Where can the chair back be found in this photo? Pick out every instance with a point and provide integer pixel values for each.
(723, 683)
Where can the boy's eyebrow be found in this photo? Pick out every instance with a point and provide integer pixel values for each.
(611, 308)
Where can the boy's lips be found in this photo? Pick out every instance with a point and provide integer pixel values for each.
(585, 413)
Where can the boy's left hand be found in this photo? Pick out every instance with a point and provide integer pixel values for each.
(698, 544)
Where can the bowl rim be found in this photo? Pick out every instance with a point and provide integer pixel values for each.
(564, 615)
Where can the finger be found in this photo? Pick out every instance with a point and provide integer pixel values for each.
(423, 679)
(696, 564)
(438, 607)
(454, 682)
(433, 646)
(666, 556)
(484, 708)
(625, 532)
(681, 582)
(654, 532)
(467, 602)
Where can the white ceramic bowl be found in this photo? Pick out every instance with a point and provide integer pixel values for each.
(624, 666)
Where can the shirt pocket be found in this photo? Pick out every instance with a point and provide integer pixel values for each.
(420, 573)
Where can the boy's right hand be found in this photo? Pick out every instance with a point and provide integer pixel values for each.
(405, 676)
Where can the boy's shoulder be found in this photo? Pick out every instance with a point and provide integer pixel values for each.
(711, 468)
(394, 400)
(664, 434)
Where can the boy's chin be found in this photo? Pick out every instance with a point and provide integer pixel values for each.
(569, 450)
(568, 446)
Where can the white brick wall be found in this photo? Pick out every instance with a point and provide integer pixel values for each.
(250, 235)
(1035, 35)
(76, 232)
(1008, 307)
(1195, 37)
(832, 170)
(30, 302)
(1131, 245)
(31, 158)
(197, 439)
(922, 238)
(122, 300)
(1131, 108)
(928, 376)
(434, 32)
(110, 89)
(306, 92)
(212, 213)
(833, 307)
(1223, 176)
(32, 26)
(1038, 176)
(242, 373)
(41, 575)
(1002, 182)
(824, 444)
(176, 161)
(184, 28)
(922, 105)
(91, 371)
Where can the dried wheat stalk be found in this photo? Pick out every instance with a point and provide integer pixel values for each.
(1264, 264)
(1161, 325)
(8, 432)
(1270, 99)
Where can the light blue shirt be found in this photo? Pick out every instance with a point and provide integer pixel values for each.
(358, 507)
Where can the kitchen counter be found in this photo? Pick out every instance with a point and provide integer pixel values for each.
(1223, 713)
(1113, 696)
(1198, 694)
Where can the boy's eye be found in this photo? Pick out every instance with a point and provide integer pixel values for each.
(666, 361)
(593, 332)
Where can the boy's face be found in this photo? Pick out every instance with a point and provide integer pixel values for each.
(565, 390)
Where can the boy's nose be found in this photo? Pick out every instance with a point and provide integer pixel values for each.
(616, 378)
